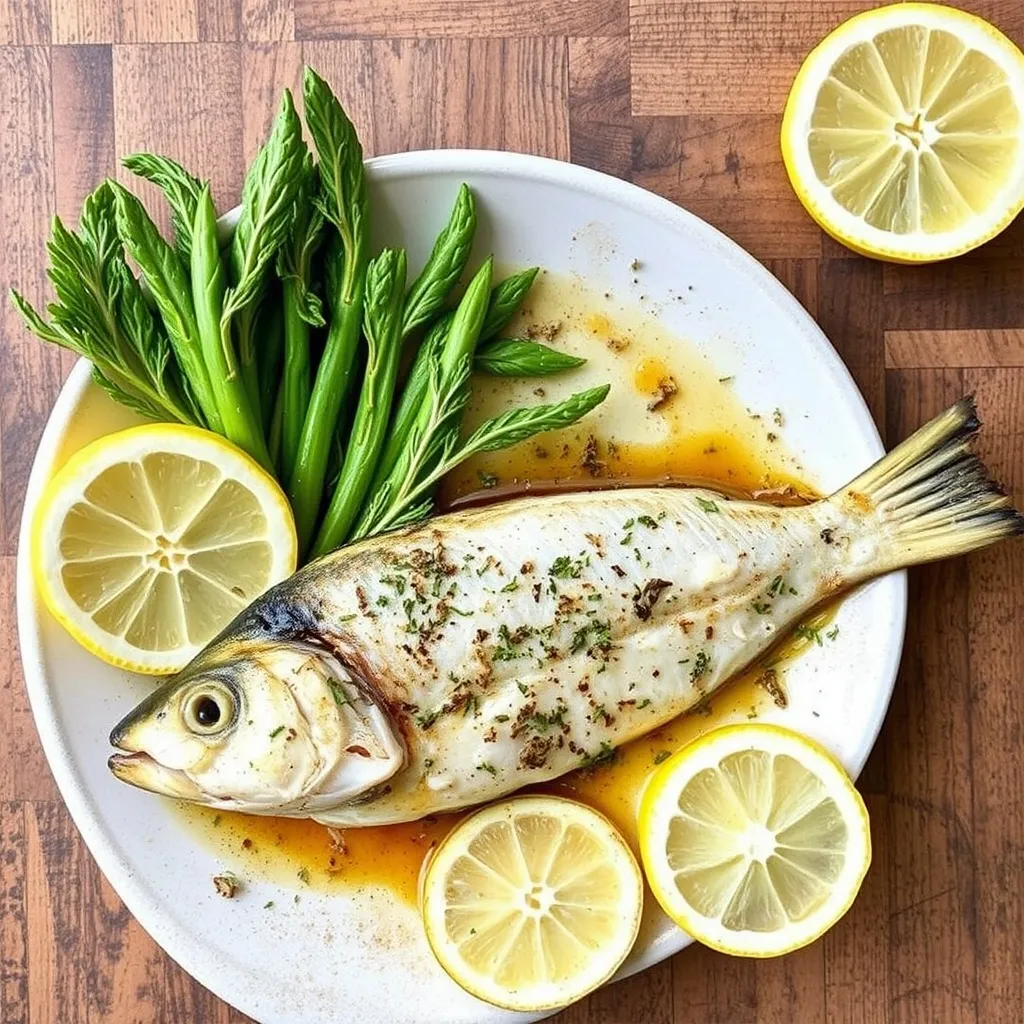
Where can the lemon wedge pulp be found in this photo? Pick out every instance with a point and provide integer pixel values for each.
(532, 903)
(149, 541)
(754, 840)
(903, 134)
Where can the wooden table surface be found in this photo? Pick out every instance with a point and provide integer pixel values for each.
(683, 97)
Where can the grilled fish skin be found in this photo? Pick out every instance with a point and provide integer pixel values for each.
(444, 666)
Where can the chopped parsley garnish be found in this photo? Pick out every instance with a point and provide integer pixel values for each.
(348, 618)
(396, 582)
(383, 601)
(701, 665)
(303, 874)
(810, 633)
(487, 480)
(775, 587)
(268, 904)
(428, 718)
(662, 755)
(761, 608)
(523, 688)
(486, 766)
(428, 763)
(833, 633)
(472, 704)
(277, 731)
(643, 704)
(501, 718)
(566, 568)
(338, 693)
(706, 506)
(647, 521)
(600, 713)
(605, 754)
(511, 587)
(511, 644)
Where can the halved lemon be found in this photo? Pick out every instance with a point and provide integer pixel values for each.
(532, 903)
(904, 136)
(754, 840)
(149, 541)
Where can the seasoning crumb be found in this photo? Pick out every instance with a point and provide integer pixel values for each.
(590, 460)
(617, 344)
(227, 885)
(769, 681)
(666, 388)
(539, 392)
(247, 843)
(487, 480)
(662, 755)
(336, 838)
(303, 875)
(268, 904)
(546, 331)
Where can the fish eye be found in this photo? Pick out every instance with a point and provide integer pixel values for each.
(209, 710)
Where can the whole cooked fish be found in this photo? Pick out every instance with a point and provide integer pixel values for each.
(455, 662)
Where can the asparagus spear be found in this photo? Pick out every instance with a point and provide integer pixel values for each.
(382, 326)
(448, 350)
(209, 287)
(504, 300)
(443, 269)
(301, 310)
(169, 287)
(180, 189)
(268, 194)
(343, 202)
(102, 315)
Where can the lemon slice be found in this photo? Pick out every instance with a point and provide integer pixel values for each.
(149, 541)
(532, 903)
(754, 840)
(903, 133)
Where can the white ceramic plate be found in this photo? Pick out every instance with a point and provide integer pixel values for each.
(352, 957)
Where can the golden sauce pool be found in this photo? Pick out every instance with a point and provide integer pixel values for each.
(669, 419)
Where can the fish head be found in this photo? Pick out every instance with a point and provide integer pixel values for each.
(283, 729)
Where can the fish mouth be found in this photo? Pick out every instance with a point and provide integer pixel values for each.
(141, 770)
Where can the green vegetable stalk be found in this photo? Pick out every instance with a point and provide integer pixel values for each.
(342, 201)
(168, 282)
(102, 315)
(268, 195)
(443, 269)
(209, 287)
(505, 299)
(180, 189)
(301, 310)
(382, 325)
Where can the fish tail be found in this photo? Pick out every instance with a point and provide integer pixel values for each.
(934, 494)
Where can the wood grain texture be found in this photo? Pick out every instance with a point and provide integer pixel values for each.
(685, 98)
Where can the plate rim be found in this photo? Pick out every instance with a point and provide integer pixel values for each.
(174, 941)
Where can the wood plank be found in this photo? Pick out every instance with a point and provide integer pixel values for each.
(485, 93)
(728, 170)
(734, 56)
(965, 294)
(909, 349)
(600, 128)
(995, 632)
(644, 997)
(267, 21)
(929, 745)
(856, 949)
(799, 276)
(347, 65)
(267, 70)
(181, 101)
(850, 311)
(24, 22)
(14, 965)
(709, 988)
(219, 22)
(125, 21)
(83, 124)
(30, 370)
(456, 18)
(24, 774)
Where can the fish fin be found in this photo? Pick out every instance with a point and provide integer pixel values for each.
(935, 494)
